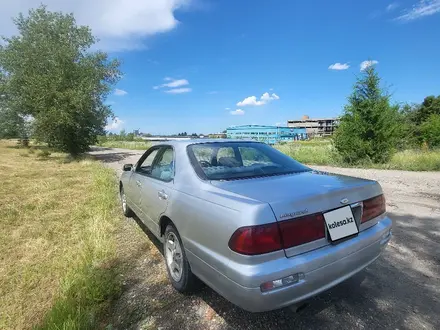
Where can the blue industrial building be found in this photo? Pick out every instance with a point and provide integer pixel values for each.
(267, 134)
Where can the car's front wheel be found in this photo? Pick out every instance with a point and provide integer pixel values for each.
(125, 208)
(179, 271)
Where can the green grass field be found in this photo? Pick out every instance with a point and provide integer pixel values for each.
(317, 152)
(133, 145)
(57, 230)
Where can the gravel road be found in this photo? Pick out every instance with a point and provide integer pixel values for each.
(401, 290)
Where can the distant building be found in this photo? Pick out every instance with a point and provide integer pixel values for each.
(315, 127)
(217, 136)
(136, 132)
(267, 134)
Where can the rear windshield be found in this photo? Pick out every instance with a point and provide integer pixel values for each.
(238, 160)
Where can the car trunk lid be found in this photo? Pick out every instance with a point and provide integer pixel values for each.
(297, 195)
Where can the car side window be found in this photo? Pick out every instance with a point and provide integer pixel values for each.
(146, 166)
(163, 168)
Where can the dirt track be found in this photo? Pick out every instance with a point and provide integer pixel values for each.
(401, 290)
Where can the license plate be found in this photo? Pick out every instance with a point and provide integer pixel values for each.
(340, 223)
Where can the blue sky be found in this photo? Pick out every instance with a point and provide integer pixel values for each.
(190, 65)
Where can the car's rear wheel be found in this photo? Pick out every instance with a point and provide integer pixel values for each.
(125, 208)
(179, 271)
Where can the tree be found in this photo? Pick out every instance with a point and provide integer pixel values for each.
(369, 128)
(415, 116)
(430, 106)
(9, 120)
(55, 78)
(12, 123)
(430, 130)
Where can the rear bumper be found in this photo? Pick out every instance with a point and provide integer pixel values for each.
(322, 268)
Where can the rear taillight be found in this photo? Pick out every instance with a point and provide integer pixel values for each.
(302, 230)
(276, 236)
(256, 239)
(373, 207)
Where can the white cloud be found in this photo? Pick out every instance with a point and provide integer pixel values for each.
(392, 6)
(339, 66)
(176, 83)
(366, 64)
(173, 83)
(178, 90)
(114, 125)
(264, 99)
(421, 9)
(119, 24)
(227, 108)
(120, 92)
(237, 112)
(251, 100)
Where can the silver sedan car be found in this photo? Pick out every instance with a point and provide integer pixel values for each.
(258, 227)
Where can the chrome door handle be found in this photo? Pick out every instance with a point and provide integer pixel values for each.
(138, 183)
(162, 195)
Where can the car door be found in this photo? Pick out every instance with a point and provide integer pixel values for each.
(141, 168)
(156, 188)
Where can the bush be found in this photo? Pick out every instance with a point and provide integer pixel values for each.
(102, 139)
(430, 131)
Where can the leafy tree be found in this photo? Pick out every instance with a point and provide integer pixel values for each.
(12, 123)
(430, 130)
(369, 127)
(9, 120)
(55, 78)
(414, 118)
(430, 106)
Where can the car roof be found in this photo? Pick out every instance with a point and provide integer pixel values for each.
(184, 143)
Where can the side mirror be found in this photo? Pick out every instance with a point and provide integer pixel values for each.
(127, 167)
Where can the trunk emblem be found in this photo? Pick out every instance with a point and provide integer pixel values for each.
(344, 201)
(294, 214)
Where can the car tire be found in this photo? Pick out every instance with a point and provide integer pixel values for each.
(125, 208)
(178, 268)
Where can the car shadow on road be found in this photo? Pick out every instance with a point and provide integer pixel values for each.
(394, 292)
